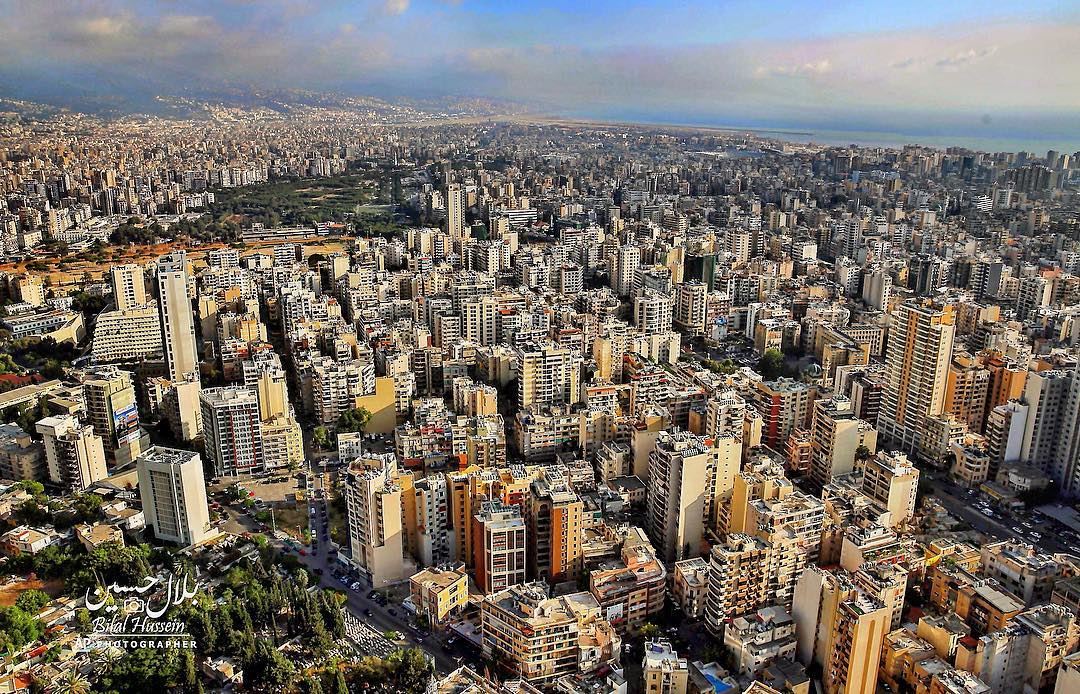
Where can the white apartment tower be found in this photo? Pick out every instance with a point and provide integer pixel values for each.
(173, 493)
(455, 210)
(128, 286)
(547, 375)
(177, 322)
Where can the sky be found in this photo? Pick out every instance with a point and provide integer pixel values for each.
(907, 66)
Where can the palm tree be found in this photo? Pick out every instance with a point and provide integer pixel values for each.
(70, 682)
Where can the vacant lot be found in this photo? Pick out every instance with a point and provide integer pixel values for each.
(10, 592)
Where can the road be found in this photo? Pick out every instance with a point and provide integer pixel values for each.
(951, 496)
(367, 611)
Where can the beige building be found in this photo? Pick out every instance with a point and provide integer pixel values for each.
(283, 444)
(690, 585)
(109, 399)
(856, 637)
(75, 456)
(837, 436)
(739, 574)
(373, 504)
(686, 475)
(173, 493)
(128, 335)
(128, 286)
(917, 364)
(759, 638)
(177, 319)
(891, 481)
(1024, 571)
(540, 639)
(547, 375)
(631, 587)
(663, 670)
(21, 458)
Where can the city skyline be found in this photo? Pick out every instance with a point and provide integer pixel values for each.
(895, 73)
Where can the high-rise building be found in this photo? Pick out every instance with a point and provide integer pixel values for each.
(433, 537)
(917, 363)
(128, 286)
(282, 438)
(691, 307)
(555, 531)
(373, 505)
(840, 628)
(652, 312)
(837, 436)
(547, 375)
(109, 398)
(1052, 434)
(686, 473)
(455, 211)
(177, 320)
(74, 453)
(336, 385)
(738, 579)
(232, 430)
(725, 415)
(499, 546)
(1005, 428)
(784, 405)
(891, 482)
(966, 391)
(173, 494)
(627, 259)
(857, 635)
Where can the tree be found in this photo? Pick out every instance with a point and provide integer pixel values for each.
(18, 628)
(32, 601)
(340, 685)
(320, 436)
(355, 419)
(268, 666)
(648, 630)
(862, 452)
(87, 507)
(413, 669)
(32, 487)
(771, 364)
(70, 681)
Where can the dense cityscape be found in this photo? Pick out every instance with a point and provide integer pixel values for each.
(312, 393)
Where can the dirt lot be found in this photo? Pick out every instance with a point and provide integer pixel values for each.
(10, 592)
(74, 273)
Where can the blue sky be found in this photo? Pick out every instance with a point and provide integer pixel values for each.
(906, 64)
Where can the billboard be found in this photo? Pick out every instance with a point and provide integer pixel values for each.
(125, 421)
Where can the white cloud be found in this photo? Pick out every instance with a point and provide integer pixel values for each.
(966, 57)
(395, 7)
(818, 67)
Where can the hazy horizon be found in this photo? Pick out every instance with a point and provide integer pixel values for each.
(954, 73)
